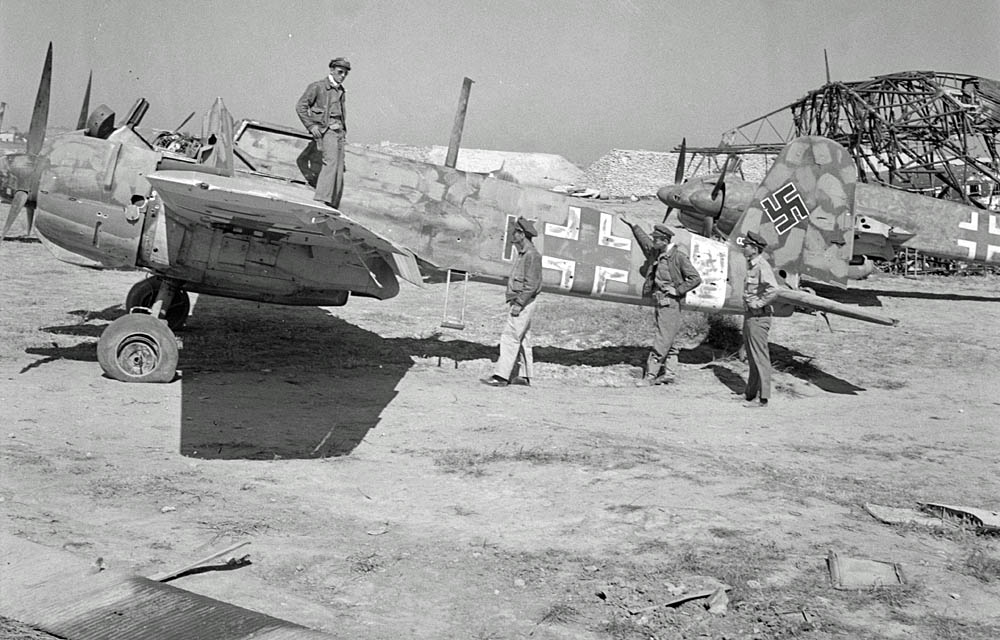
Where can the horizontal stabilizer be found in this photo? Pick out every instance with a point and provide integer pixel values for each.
(818, 303)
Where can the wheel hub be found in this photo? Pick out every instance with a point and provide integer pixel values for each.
(138, 355)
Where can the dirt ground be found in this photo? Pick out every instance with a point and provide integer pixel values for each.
(387, 493)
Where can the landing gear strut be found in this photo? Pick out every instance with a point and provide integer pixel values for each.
(140, 347)
(143, 294)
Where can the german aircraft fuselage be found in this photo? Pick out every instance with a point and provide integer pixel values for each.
(236, 235)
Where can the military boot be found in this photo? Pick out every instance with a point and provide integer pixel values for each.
(652, 370)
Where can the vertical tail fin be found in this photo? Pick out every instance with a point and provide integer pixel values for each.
(804, 209)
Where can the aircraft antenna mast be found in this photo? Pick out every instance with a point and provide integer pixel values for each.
(456, 130)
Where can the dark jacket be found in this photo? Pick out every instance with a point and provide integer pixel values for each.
(322, 105)
(670, 267)
(525, 279)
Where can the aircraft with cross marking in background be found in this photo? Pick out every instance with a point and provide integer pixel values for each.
(235, 218)
(886, 219)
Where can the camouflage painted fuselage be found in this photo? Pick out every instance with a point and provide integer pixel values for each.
(257, 234)
(253, 236)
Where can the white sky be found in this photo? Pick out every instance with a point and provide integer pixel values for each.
(573, 77)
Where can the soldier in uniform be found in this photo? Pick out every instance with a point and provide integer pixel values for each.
(669, 276)
(322, 112)
(523, 285)
(759, 292)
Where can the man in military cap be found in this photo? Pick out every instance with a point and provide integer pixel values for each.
(759, 292)
(322, 112)
(523, 285)
(669, 276)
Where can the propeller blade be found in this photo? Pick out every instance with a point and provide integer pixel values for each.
(85, 111)
(667, 214)
(720, 184)
(29, 211)
(4, 176)
(20, 197)
(679, 172)
(40, 115)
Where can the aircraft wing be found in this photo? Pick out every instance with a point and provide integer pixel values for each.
(283, 212)
(800, 298)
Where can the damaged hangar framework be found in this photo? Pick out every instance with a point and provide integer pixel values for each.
(922, 131)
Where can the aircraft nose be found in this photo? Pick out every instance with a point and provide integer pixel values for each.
(703, 203)
(668, 195)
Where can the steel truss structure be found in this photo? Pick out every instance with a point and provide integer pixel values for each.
(922, 131)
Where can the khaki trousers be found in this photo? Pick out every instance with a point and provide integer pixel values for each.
(667, 319)
(515, 345)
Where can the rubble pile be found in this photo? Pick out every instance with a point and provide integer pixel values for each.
(621, 173)
(544, 170)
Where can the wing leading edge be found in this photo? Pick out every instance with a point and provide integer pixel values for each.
(284, 211)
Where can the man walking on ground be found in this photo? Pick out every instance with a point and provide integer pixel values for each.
(523, 285)
(322, 112)
(759, 292)
(669, 276)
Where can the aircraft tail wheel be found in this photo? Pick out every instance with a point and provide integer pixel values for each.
(143, 294)
(138, 348)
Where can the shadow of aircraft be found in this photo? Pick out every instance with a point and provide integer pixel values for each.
(268, 381)
(791, 362)
(263, 382)
(870, 297)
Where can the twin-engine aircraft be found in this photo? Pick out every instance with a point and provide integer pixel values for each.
(885, 219)
(235, 218)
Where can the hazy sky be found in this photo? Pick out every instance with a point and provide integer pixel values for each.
(576, 78)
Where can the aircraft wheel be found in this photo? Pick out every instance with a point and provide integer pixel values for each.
(143, 294)
(138, 348)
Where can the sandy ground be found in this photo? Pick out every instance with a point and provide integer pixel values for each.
(388, 494)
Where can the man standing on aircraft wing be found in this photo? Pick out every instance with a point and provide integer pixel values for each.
(669, 276)
(322, 112)
(759, 292)
(523, 285)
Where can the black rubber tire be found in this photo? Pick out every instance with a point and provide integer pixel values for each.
(143, 294)
(138, 348)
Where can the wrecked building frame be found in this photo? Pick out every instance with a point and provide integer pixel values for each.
(921, 131)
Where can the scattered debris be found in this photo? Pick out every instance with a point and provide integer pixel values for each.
(377, 532)
(902, 515)
(858, 573)
(798, 615)
(168, 509)
(577, 192)
(718, 602)
(984, 520)
(937, 516)
(232, 562)
(710, 593)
